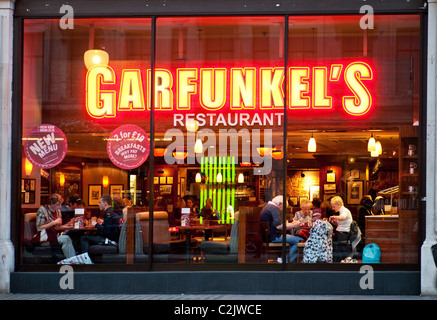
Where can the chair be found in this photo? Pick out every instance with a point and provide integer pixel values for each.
(222, 251)
(267, 245)
(300, 247)
(39, 254)
(348, 247)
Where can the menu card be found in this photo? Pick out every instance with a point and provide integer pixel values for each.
(185, 217)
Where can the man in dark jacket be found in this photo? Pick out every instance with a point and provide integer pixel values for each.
(109, 227)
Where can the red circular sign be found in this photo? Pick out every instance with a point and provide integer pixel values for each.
(46, 146)
(128, 146)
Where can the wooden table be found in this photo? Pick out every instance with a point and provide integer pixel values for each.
(201, 227)
(67, 227)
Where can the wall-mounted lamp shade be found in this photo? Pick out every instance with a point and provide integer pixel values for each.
(180, 155)
(105, 181)
(264, 151)
(198, 177)
(159, 152)
(240, 178)
(277, 153)
(95, 57)
(61, 179)
(312, 145)
(219, 178)
(246, 164)
(371, 145)
(198, 146)
(374, 154)
(28, 166)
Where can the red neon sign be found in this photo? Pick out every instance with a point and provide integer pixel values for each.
(221, 88)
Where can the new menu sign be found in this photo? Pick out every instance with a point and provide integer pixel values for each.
(45, 146)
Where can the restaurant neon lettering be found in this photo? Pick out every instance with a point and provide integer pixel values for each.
(237, 89)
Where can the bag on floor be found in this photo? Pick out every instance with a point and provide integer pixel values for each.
(371, 253)
(83, 258)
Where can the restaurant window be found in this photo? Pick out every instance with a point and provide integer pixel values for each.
(220, 95)
(218, 134)
(349, 85)
(85, 132)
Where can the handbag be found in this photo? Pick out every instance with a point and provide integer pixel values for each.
(40, 236)
(371, 253)
(48, 234)
(304, 233)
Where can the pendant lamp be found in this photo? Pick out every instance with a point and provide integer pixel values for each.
(312, 144)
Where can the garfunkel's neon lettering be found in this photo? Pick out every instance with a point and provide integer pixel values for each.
(221, 89)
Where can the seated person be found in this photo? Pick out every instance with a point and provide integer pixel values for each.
(47, 217)
(303, 219)
(109, 227)
(194, 211)
(271, 213)
(378, 206)
(365, 209)
(317, 211)
(342, 221)
(207, 213)
(67, 209)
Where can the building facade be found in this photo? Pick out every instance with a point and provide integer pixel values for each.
(202, 114)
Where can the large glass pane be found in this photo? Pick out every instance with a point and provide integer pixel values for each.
(219, 100)
(85, 135)
(347, 85)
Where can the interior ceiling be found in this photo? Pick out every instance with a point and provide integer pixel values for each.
(337, 144)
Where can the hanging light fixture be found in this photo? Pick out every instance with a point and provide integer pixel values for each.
(378, 147)
(191, 125)
(371, 145)
(240, 178)
(198, 146)
(312, 144)
(94, 57)
(219, 178)
(198, 177)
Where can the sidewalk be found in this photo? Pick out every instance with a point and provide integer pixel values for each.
(204, 297)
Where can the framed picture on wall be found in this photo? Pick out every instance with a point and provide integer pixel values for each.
(94, 194)
(355, 191)
(116, 190)
(294, 200)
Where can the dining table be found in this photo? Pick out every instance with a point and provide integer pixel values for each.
(188, 231)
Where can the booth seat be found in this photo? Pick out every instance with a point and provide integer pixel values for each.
(108, 253)
(161, 236)
(222, 251)
(39, 254)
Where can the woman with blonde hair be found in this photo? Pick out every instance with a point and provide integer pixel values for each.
(342, 221)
